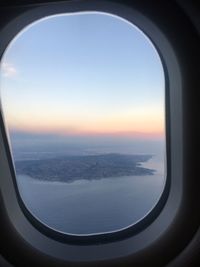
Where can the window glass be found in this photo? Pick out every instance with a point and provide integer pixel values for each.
(83, 99)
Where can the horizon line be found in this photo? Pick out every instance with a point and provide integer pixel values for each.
(133, 134)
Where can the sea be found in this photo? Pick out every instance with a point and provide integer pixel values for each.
(84, 207)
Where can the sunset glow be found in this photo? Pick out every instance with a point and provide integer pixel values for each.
(124, 124)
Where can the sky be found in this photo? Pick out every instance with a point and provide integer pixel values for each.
(84, 74)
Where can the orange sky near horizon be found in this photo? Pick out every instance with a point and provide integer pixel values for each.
(146, 124)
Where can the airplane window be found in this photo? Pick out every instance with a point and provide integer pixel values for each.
(83, 99)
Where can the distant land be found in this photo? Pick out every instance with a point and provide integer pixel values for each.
(90, 167)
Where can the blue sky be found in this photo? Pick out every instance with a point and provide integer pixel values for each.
(82, 74)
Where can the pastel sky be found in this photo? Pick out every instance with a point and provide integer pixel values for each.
(83, 74)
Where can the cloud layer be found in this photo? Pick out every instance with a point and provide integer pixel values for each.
(8, 70)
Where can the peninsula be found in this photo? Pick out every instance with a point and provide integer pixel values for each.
(89, 167)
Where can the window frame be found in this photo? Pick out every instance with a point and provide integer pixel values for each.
(165, 216)
(99, 237)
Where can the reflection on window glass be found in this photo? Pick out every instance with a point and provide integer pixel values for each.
(83, 99)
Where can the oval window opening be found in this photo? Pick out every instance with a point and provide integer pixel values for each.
(83, 97)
